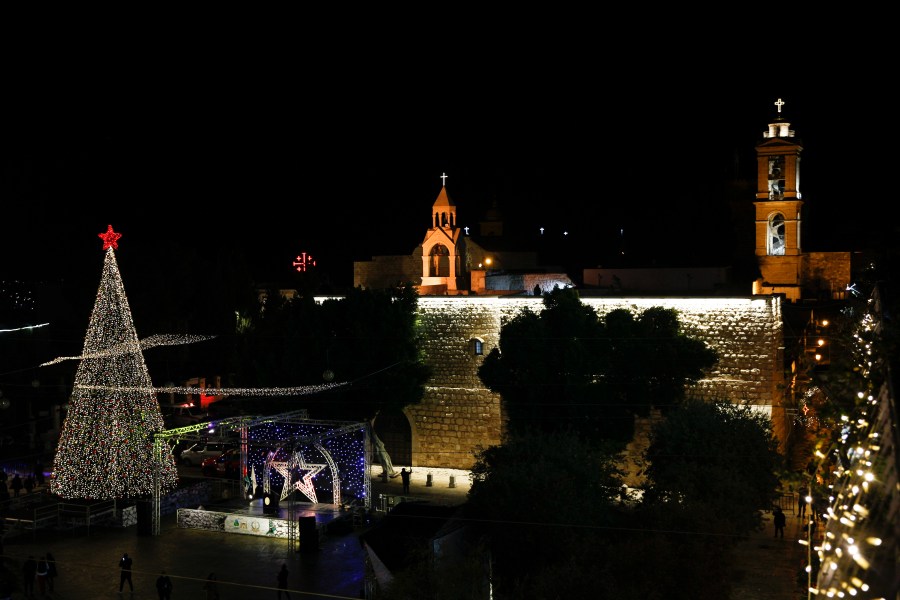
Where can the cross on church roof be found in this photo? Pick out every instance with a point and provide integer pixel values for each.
(779, 103)
(444, 179)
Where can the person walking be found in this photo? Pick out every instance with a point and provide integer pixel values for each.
(29, 484)
(780, 520)
(125, 572)
(164, 586)
(16, 485)
(39, 473)
(43, 569)
(801, 502)
(29, 572)
(282, 582)
(211, 587)
(404, 475)
(51, 571)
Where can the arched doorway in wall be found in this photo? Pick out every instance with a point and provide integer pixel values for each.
(394, 431)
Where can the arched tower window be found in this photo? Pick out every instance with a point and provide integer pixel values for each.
(439, 265)
(776, 235)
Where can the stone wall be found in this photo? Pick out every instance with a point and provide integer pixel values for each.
(458, 414)
(387, 271)
(827, 272)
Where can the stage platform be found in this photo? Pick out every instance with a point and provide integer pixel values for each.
(251, 518)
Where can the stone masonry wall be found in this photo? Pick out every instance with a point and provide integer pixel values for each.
(828, 271)
(458, 414)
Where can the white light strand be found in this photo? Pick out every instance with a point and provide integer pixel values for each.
(278, 391)
(134, 348)
(26, 327)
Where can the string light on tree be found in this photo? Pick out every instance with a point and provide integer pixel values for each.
(105, 447)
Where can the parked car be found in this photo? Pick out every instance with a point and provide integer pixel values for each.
(227, 464)
(196, 454)
(182, 416)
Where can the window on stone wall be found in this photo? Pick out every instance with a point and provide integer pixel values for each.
(477, 346)
(776, 241)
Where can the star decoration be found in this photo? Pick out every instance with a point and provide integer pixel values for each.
(304, 485)
(110, 238)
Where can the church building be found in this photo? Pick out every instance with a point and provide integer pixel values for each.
(470, 284)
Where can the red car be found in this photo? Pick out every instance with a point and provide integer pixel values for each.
(228, 464)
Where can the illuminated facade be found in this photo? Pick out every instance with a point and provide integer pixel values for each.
(784, 267)
(462, 308)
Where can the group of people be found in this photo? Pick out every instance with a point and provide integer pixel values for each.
(779, 519)
(40, 571)
(164, 584)
(18, 483)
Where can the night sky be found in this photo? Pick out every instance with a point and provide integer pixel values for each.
(270, 168)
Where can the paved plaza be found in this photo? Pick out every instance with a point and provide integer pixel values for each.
(246, 566)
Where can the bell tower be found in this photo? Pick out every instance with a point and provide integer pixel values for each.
(440, 250)
(778, 203)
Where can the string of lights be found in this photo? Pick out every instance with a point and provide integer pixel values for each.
(238, 391)
(133, 347)
(853, 561)
(24, 328)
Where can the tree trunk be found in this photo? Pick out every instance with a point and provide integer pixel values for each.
(383, 457)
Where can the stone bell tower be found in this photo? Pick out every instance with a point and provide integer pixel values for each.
(778, 202)
(440, 248)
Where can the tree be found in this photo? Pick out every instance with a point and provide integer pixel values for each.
(714, 459)
(556, 522)
(541, 501)
(568, 367)
(106, 447)
(368, 338)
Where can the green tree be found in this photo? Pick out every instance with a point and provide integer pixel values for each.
(557, 524)
(714, 459)
(540, 501)
(568, 367)
(368, 339)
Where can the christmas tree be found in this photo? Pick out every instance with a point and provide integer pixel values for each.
(106, 447)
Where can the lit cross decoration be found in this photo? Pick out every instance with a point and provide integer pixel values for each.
(302, 262)
(779, 103)
(110, 238)
(444, 179)
(467, 229)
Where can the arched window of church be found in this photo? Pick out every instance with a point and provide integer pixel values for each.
(439, 265)
(776, 240)
(477, 346)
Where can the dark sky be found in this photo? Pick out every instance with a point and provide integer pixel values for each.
(347, 166)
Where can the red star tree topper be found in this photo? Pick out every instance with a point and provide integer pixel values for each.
(110, 238)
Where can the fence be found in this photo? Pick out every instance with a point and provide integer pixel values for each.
(38, 511)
